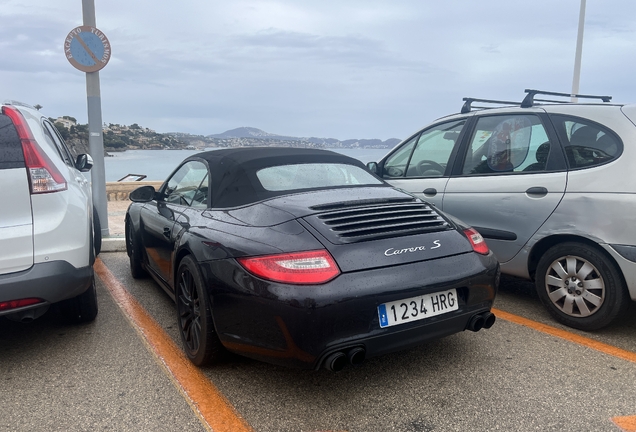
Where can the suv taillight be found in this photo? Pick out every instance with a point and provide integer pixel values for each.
(44, 177)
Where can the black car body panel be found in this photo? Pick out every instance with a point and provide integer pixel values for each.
(388, 246)
(298, 326)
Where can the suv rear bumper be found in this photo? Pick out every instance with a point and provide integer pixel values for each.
(52, 282)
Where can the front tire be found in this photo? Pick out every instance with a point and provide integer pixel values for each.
(133, 249)
(580, 286)
(200, 341)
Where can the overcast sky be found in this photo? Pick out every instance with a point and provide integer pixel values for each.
(326, 68)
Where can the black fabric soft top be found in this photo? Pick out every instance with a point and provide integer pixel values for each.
(233, 180)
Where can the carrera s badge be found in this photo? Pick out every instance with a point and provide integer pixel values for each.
(392, 251)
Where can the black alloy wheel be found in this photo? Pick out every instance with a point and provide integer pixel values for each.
(580, 286)
(133, 249)
(200, 341)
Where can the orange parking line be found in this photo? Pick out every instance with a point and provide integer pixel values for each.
(564, 334)
(214, 410)
(628, 424)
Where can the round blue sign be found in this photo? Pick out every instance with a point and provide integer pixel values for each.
(87, 48)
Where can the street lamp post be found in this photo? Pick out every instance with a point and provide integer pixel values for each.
(579, 49)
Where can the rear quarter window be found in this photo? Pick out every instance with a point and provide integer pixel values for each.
(586, 143)
(11, 155)
(56, 141)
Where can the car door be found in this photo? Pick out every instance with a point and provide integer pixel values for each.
(512, 178)
(164, 219)
(421, 165)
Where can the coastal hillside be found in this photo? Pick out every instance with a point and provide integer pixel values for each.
(120, 138)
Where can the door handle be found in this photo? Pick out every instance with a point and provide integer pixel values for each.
(166, 232)
(537, 191)
(430, 191)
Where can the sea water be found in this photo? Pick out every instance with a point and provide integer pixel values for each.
(156, 165)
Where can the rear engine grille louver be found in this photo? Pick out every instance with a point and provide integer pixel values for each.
(357, 223)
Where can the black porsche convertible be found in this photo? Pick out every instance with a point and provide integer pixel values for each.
(303, 258)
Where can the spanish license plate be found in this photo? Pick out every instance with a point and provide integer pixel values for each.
(417, 308)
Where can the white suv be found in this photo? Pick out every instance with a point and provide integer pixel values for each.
(49, 234)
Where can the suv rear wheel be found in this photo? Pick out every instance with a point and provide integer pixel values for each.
(580, 286)
(83, 308)
(97, 232)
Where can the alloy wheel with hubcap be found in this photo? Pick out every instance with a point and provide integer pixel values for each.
(575, 286)
(580, 286)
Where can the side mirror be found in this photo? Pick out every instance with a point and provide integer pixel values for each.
(84, 162)
(142, 194)
(373, 167)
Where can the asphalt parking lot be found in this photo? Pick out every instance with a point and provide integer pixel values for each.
(118, 373)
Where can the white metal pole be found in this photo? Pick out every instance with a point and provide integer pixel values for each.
(579, 49)
(95, 137)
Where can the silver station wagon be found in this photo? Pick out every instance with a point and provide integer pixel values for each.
(549, 184)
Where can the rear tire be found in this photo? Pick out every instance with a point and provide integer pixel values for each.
(133, 248)
(97, 233)
(83, 308)
(194, 317)
(580, 286)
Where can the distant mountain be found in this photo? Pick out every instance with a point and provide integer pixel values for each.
(120, 138)
(254, 133)
(391, 142)
(245, 132)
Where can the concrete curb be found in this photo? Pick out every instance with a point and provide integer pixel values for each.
(113, 244)
(119, 191)
(117, 195)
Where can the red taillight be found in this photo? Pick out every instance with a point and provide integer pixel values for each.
(43, 175)
(477, 241)
(310, 268)
(14, 304)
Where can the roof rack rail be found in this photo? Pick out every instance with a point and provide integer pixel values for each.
(529, 100)
(468, 103)
(17, 103)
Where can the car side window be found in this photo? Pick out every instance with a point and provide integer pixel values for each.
(396, 163)
(200, 198)
(586, 143)
(427, 154)
(507, 144)
(58, 143)
(188, 186)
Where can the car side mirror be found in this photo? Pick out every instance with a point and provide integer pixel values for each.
(373, 167)
(142, 194)
(84, 162)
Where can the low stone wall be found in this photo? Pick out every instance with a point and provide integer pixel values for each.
(119, 191)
